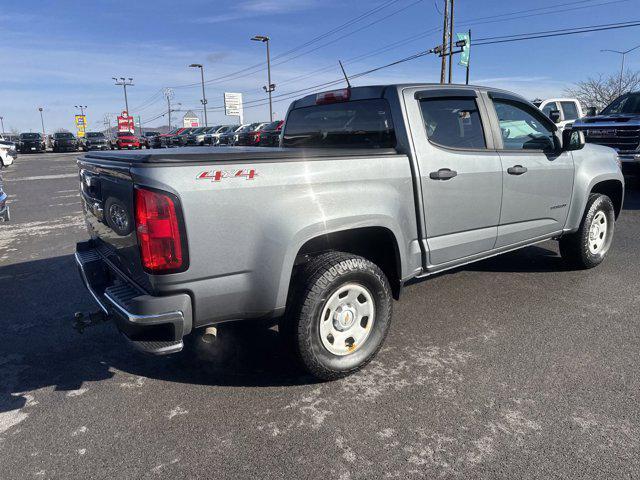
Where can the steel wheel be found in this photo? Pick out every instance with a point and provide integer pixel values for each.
(347, 319)
(598, 233)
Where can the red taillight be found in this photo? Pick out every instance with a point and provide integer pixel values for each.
(158, 231)
(334, 96)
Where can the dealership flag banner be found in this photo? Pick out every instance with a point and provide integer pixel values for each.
(466, 50)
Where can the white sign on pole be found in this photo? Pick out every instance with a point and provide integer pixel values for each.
(233, 105)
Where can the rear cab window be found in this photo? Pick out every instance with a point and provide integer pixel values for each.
(351, 124)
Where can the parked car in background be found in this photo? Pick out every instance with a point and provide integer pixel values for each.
(147, 139)
(32, 142)
(213, 137)
(94, 141)
(181, 137)
(164, 139)
(64, 142)
(8, 153)
(127, 140)
(12, 138)
(250, 136)
(4, 207)
(230, 137)
(194, 135)
(562, 111)
(270, 134)
(618, 127)
(454, 174)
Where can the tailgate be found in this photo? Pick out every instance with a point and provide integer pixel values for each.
(107, 196)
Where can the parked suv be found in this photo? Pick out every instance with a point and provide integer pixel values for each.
(32, 143)
(147, 139)
(250, 136)
(64, 142)
(127, 140)
(270, 134)
(95, 141)
(618, 127)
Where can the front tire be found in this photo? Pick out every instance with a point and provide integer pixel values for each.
(340, 314)
(588, 247)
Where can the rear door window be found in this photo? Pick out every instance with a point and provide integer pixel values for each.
(453, 122)
(355, 124)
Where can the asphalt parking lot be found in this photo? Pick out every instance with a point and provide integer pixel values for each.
(511, 368)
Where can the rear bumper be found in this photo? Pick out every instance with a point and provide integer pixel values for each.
(154, 325)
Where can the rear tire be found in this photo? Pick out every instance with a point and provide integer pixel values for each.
(340, 314)
(589, 246)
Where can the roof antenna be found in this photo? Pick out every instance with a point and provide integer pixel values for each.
(345, 74)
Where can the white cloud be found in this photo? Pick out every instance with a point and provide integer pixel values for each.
(259, 8)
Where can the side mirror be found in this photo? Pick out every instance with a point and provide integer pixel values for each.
(572, 139)
(554, 115)
(591, 112)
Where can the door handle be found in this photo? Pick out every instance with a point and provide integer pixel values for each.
(443, 174)
(517, 170)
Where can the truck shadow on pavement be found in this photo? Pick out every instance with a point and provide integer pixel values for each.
(41, 349)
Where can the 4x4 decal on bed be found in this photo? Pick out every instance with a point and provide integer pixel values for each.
(217, 175)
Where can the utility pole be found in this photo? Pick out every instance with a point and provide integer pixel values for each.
(204, 98)
(124, 82)
(623, 53)
(81, 107)
(445, 31)
(2, 122)
(469, 60)
(168, 94)
(270, 86)
(451, 43)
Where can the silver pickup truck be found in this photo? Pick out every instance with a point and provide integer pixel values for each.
(371, 187)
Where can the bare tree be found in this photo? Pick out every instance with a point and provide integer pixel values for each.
(601, 91)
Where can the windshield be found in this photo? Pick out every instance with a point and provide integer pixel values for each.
(151, 134)
(62, 135)
(95, 135)
(29, 136)
(356, 124)
(125, 134)
(629, 103)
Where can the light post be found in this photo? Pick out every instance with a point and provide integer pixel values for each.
(270, 86)
(2, 122)
(81, 107)
(42, 122)
(124, 82)
(623, 53)
(204, 98)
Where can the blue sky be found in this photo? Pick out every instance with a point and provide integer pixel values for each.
(58, 54)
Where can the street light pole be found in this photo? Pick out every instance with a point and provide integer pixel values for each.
(2, 122)
(623, 53)
(124, 82)
(42, 121)
(81, 107)
(270, 86)
(204, 98)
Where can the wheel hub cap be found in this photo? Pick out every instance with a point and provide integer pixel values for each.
(598, 233)
(347, 319)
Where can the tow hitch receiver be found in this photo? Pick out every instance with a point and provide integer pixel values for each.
(81, 322)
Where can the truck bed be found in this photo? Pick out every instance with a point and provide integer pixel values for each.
(194, 155)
